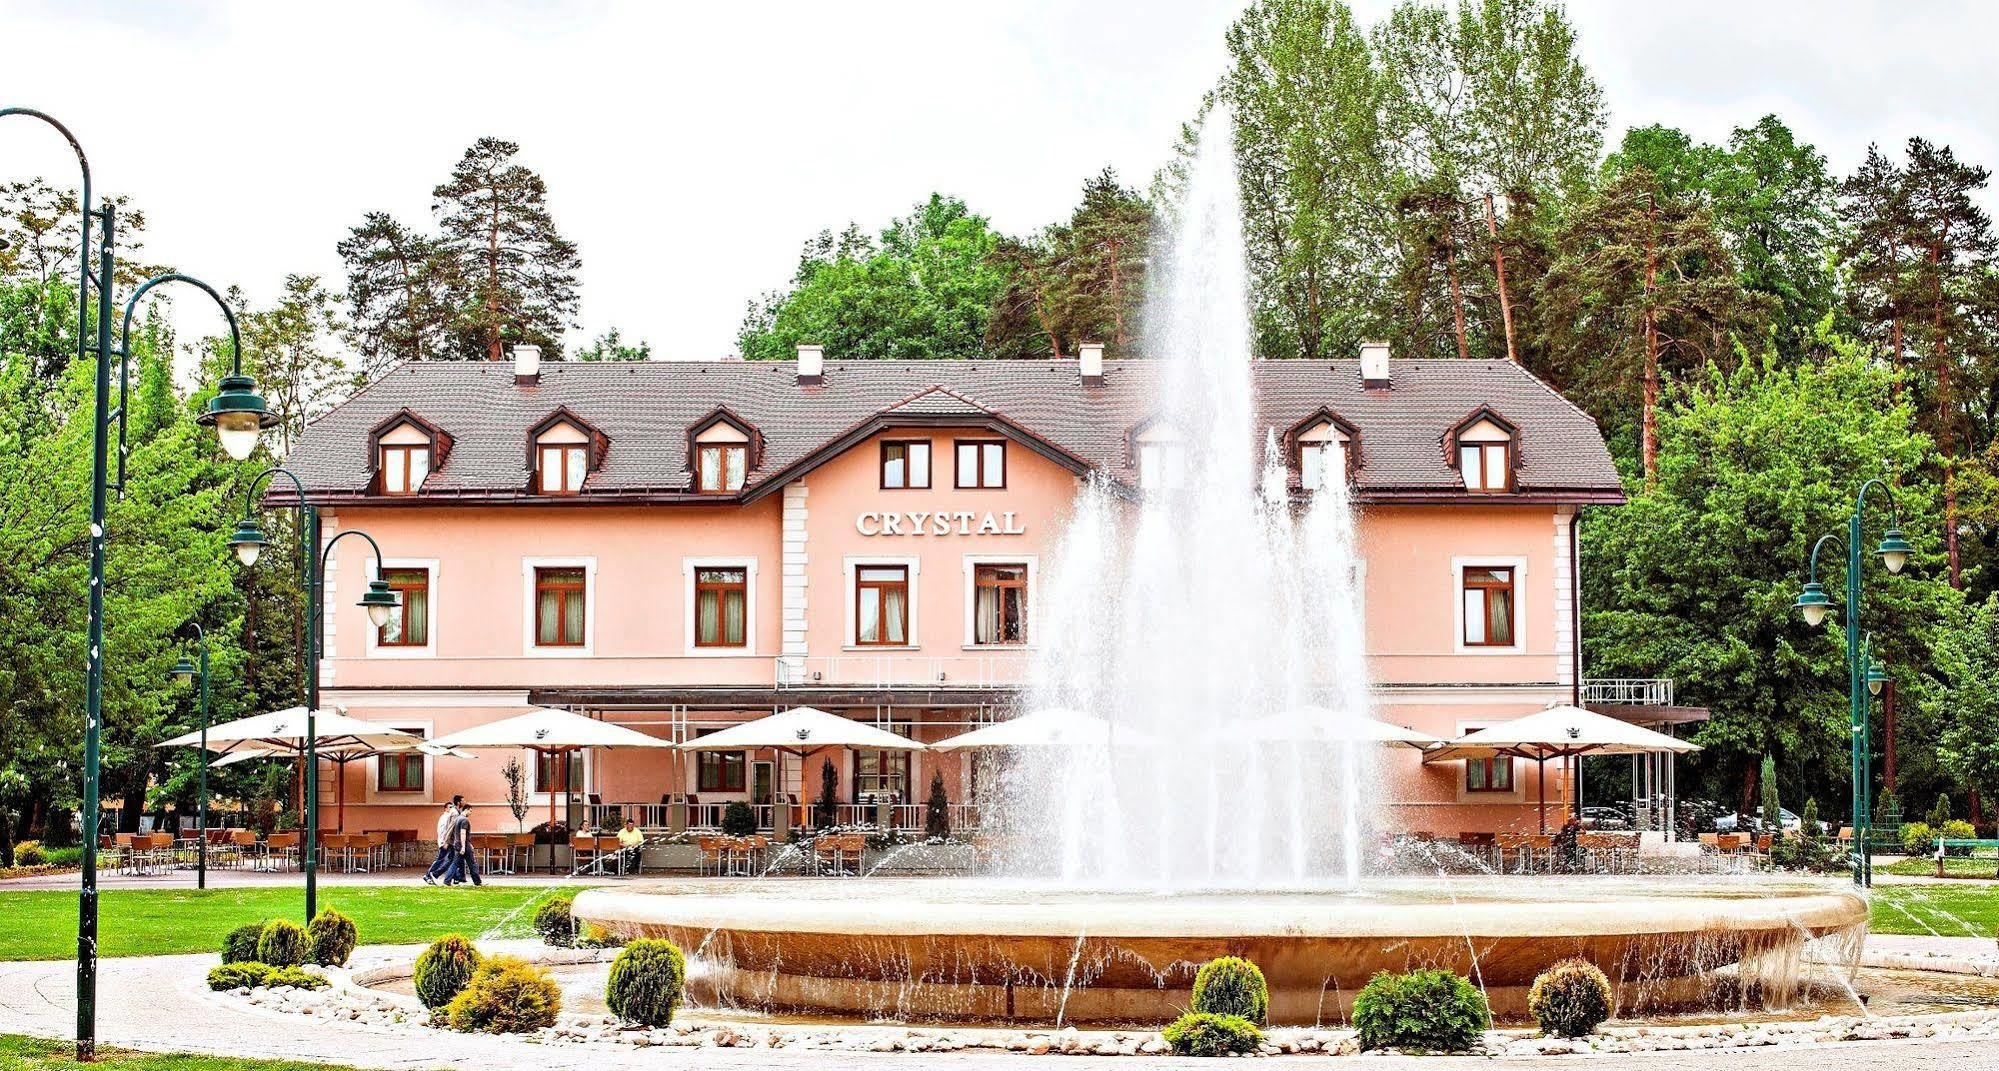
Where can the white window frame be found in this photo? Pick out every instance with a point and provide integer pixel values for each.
(850, 639)
(374, 635)
(429, 793)
(531, 649)
(1458, 567)
(972, 563)
(688, 567)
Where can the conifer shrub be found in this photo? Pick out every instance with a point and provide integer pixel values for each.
(738, 820)
(1420, 1011)
(1957, 829)
(243, 974)
(240, 946)
(1918, 838)
(296, 977)
(282, 943)
(506, 995)
(555, 922)
(1208, 1034)
(30, 853)
(937, 810)
(330, 939)
(444, 968)
(646, 982)
(1232, 986)
(1571, 999)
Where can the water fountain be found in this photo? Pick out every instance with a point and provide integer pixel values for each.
(1214, 600)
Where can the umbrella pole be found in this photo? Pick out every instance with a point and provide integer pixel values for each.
(1541, 765)
(340, 795)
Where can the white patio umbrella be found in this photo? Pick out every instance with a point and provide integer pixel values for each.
(801, 731)
(340, 755)
(1323, 725)
(1559, 732)
(281, 734)
(1049, 727)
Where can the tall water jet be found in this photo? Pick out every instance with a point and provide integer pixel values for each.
(1218, 598)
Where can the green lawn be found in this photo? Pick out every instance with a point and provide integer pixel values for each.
(1955, 867)
(19, 1053)
(148, 922)
(1966, 910)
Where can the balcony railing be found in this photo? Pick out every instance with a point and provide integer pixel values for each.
(999, 669)
(906, 817)
(1630, 691)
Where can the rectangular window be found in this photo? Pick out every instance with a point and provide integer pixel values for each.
(721, 607)
(881, 605)
(1486, 466)
(404, 469)
(721, 467)
(408, 624)
(561, 468)
(558, 607)
(981, 463)
(879, 772)
(720, 771)
(1162, 466)
(1488, 598)
(1489, 775)
(1317, 461)
(905, 464)
(400, 772)
(558, 772)
(999, 604)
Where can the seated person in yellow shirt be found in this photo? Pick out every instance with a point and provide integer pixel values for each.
(631, 843)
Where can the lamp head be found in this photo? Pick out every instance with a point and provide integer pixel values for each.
(1813, 603)
(238, 414)
(183, 671)
(1876, 677)
(248, 541)
(1895, 550)
(378, 601)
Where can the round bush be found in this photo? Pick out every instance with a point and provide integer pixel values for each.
(595, 936)
(506, 996)
(554, 922)
(646, 981)
(1918, 838)
(241, 944)
(282, 944)
(330, 939)
(30, 853)
(1208, 1034)
(248, 974)
(1957, 829)
(444, 968)
(1232, 986)
(738, 820)
(1571, 999)
(1421, 1011)
(296, 977)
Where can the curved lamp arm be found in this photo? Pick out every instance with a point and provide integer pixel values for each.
(1894, 512)
(1812, 569)
(125, 348)
(378, 595)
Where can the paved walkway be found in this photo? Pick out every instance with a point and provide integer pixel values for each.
(160, 1004)
(248, 879)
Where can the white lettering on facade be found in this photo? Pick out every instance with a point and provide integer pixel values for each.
(938, 523)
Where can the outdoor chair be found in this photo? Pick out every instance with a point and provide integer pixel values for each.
(711, 861)
(582, 851)
(281, 850)
(834, 850)
(242, 846)
(1479, 846)
(377, 843)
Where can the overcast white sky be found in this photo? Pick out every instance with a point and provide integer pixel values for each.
(690, 149)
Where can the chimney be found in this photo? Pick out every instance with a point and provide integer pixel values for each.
(527, 365)
(1374, 365)
(1090, 361)
(811, 365)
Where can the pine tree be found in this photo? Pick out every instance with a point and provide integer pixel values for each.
(397, 306)
(284, 346)
(1079, 281)
(513, 276)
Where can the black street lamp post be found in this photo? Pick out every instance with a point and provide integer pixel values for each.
(183, 672)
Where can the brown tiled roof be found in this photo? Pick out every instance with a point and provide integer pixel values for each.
(645, 408)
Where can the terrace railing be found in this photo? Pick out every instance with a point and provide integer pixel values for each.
(1631, 691)
(906, 817)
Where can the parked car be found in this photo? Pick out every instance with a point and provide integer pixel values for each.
(1605, 818)
(1735, 823)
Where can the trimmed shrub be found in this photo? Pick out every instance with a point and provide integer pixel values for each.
(247, 974)
(1232, 986)
(1957, 829)
(241, 944)
(595, 936)
(1421, 1011)
(330, 939)
(506, 996)
(738, 820)
(282, 944)
(30, 853)
(646, 981)
(296, 977)
(554, 922)
(1918, 838)
(444, 968)
(1571, 999)
(1208, 1034)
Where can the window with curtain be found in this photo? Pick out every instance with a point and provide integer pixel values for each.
(721, 607)
(878, 772)
(981, 464)
(1320, 461)
(1488, 596)
(559, 772)
(1489, 775)
(1162, 465)
(404, 469)
(1486, 466)
(999, 604)
(905, 464)
(408, 624)
(400, 772)
(720, 771)
(561, 467)
(881, 605)
(721, 467)
(558, 607)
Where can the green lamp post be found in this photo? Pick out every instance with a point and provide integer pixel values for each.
(1865, 676)
(184, 672)
(248, 542)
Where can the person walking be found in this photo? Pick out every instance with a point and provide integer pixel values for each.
(445, 821)
(463, 866)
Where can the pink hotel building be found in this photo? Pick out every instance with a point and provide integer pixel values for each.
(677, 547)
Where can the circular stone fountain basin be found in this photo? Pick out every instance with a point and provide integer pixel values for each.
(995, 951)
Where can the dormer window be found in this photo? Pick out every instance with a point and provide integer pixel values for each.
(563, 451)
(404, 468)
(406, 449)
(1485, 456)
(1325, 451)
(721, 454)
(1162, 458)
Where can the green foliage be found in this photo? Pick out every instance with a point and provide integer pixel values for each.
(1967, 706)
(507, 995)
(1420, 1011)
(512, 276)
(646, 982)
(1208, 1034)
(937, 810)
(611, 346)
(30, 853)
(595, 936)
(244, 975)
(1957, 829)
(1079, 281)
(1918, 838)
(1773, 813)
(1808, 822)
(828, 807)
(330, 939)
(554, 922)
(281, 944)
(296, 977)
(1571, 999)
(444, 969)
(1939, 811)
(738, 820)
(241, 944)
(1231, 986)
